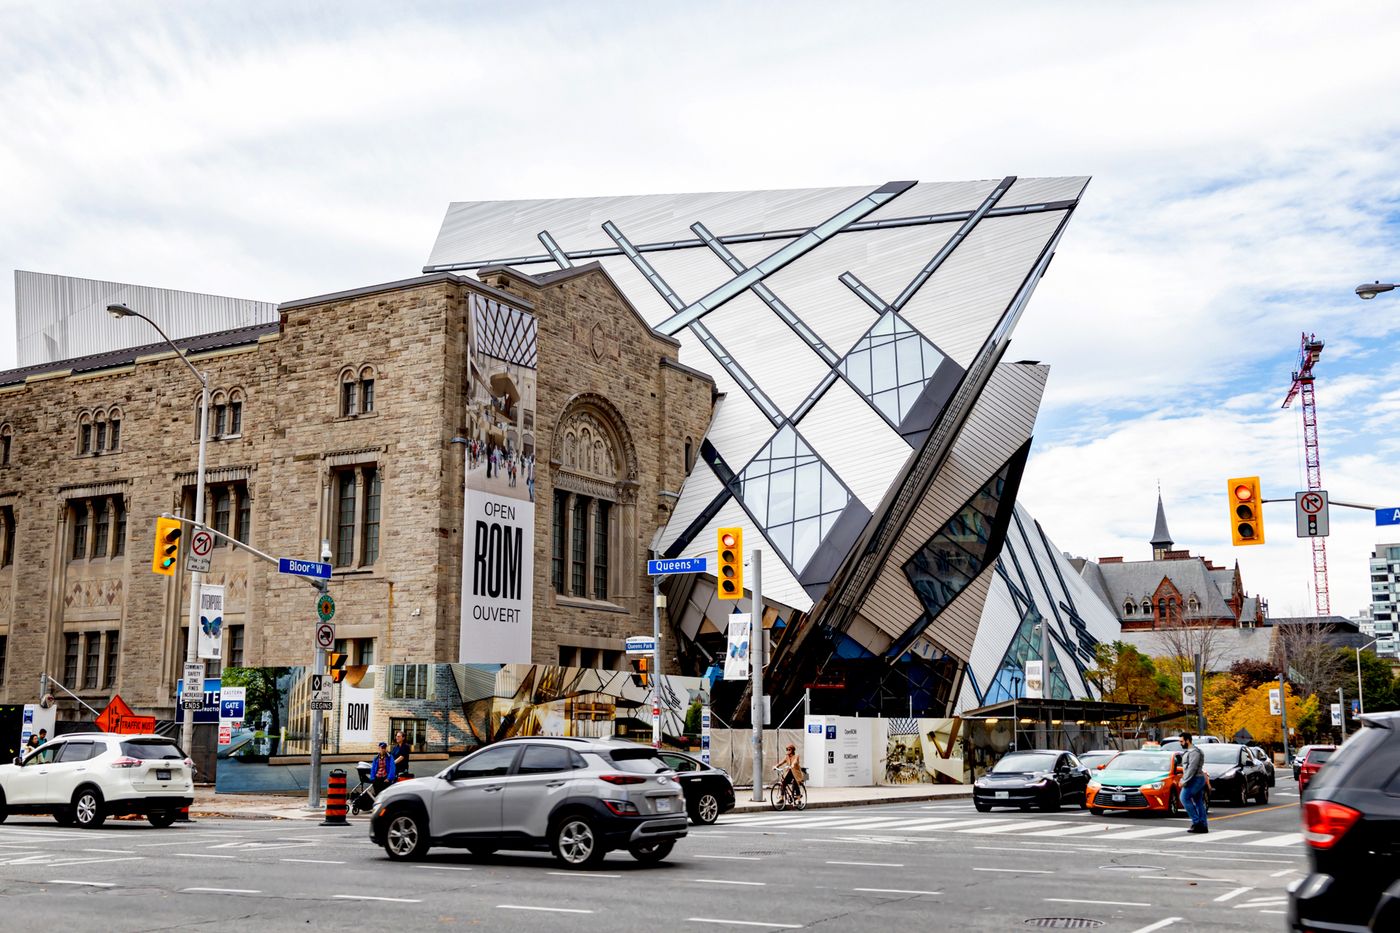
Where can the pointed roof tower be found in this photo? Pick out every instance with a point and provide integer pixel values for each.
(1161, 538)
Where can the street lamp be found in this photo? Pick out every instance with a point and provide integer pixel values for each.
(120, 311)
(1368, 291)
(1360, 699)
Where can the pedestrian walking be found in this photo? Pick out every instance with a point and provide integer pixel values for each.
(401, 754)
(1195, 784)
(381, 769)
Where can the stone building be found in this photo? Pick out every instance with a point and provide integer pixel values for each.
(342, 422)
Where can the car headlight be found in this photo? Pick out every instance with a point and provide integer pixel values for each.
(1042, 782)
(1155, 785)
(1095, 783)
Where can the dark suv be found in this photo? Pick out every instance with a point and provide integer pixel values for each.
(579, 798)
(1351, 823)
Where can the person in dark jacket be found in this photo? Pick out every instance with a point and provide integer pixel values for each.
(1195, 785)
(381, 769)
(401, 753)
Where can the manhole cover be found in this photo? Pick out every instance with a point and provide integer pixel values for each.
(1065, 923)
(1131, 868)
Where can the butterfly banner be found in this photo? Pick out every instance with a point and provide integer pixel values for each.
(211, 621)
(736, 660)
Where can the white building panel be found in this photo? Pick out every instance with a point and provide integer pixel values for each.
(863, 450)
(1043, 190)
(937, 198)
(779, 585)
(777, 359)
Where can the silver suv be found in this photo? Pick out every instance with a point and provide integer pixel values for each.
(579, 798)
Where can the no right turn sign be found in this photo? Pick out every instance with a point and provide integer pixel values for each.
(1310, 508)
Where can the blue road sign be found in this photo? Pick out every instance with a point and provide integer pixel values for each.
(304, 568)
(231, 709)
(659, 568)
(1388, 516)
(640, 644)
(209, 712)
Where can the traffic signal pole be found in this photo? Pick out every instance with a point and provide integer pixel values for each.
(657, 600)
(756, 664)
(196, 578)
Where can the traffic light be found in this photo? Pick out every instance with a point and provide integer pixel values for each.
(640, 664)
(1246, 511)
(731, 563)
(337, 666)
(167, 551)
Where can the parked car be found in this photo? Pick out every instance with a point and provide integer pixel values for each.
(1141, 780)
(579, 798)
(1351, 824)
(83, 778)
(1174, 744)
(1095, 760)
(1317, 756)
(1297, 761)
(708, 790)
(1236, 776)
(1045, 779)
(1266, 760)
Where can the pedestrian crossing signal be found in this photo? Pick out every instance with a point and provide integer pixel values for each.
(167, 550)
(731, 563)
(640, 675)
(337, 665)
(1246, 511)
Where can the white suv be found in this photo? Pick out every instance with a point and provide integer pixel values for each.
(85, 777)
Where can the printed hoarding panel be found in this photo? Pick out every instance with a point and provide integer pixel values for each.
(211, 621)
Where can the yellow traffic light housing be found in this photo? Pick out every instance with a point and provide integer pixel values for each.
(167, 549)
(1246, 511)
(731, 563)
(337, 663)
(640, 666)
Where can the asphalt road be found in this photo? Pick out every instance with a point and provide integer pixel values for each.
(935, 866)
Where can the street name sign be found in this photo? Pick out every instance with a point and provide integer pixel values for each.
(640, 644)
(201, 546)
(1310, 508)
(1390, 516)
(660, 568)
(321, 692)
(304, 568)
(194, 674)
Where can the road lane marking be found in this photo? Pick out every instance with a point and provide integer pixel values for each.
(89, 861)
(201, 855)
(1286, 839)
(1020, 871)
(1233, 816)
(366, 897)
(1075, 900)
(552, 910)
(1280, 874)
(1071, 830)
(112, 851)
(219, 891)
(316, 861)
(91, 884)
(1019, 849)
(1231, 895)
(755, 884)
(745, 923)
(733, 858)
(871, 864)
(566, 874)
(1149, 833)
(894, 891)
(1215, 836)
(445, 868)
(1159, 925)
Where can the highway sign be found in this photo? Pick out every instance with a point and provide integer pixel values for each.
(201, 546)
(325, 607)
(641, 644)
(303, 568)
(660, 568)
(1390, 516)
(194, 674)
(325, 635)
(1311, 510)
(321, 692)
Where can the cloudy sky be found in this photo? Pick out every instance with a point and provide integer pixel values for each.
(1244, 158)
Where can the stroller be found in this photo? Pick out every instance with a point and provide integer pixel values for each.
(361, 796)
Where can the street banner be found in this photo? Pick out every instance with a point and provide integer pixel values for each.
(1188, 688)
(736, 659)
(705, 734)
(1035, 687)
(498, 526)
(357, 715)
(1336, 714)
(211, 621)
(1275, 707)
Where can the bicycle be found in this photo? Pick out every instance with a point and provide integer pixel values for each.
(793, 794)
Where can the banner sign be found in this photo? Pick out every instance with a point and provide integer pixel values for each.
(1188, 688)
(498, 524)
(736, 659)
(705, 734)
(1336, 714)
(211, 621)
(1034, 680)
(1275, 708)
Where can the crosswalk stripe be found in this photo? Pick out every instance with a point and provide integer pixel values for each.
(1284, 839)
(1076, 830)
(1219, 835)
(1149, 833)
(1006, 826)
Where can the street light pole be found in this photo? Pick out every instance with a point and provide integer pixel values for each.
(1360, 697)
(192, 641)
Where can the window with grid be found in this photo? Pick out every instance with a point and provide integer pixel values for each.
(114, 439)
(222, 511)
(600, 550)
(113, 646)
(579, 550)
(70, 660)
(365, 647)
(348, 398)
(235, 417)
(92, 657)
(101, 436)
(345, 520)
(80, 529)
(101, 526)
(235, 646)
(85, 439)
(556, 565)
(245, 515)
(119, 544)
(409, 681)
(415, 730)
(367, 395)
(7, 535)
(6, 440)
(369, 547)
(220, 420)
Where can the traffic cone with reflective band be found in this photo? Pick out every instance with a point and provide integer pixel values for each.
(335, 799)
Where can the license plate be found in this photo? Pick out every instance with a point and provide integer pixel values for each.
(1002, 795)
(163, 774)
(1119, 798)
(663, 805)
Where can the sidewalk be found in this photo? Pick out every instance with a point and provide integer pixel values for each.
(209, 805)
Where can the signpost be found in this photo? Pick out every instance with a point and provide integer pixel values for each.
(197, 555)
(303, 568)
(1310, 508)
(194, 674)
(705, 734)
(656, 569)
(325, 607)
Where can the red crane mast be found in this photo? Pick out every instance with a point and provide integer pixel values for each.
(1310, 350)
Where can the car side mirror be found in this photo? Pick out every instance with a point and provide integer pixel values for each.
(19, 759)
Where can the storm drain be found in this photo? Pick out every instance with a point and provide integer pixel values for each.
(1064, 923)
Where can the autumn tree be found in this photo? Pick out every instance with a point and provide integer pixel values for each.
(1252, 672)
(1305, 650)
(1251, 712)
(1125, 675)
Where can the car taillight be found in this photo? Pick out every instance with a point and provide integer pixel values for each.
(621, 807)
(1324, 822)
(623, 778)
(128, 763)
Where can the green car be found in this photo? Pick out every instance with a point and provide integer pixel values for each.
(1141, 780)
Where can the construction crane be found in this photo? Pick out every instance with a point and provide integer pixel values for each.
(1309, 351)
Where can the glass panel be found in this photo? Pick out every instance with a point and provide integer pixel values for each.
(579, 553)
(348, 398)
(222, 511)
(543, 759)
(220, 420)
(70, 660)
(756, 498)
(345, 520)
(367, 395)
(113, 654)
(91, 658)
(86, 434)
(600, 552)
(115, 440)
(807, 494)
(101, 435)
(235, 418)
(80, 531)
(101, 526)
(370, 551)
(557, 554)
(119, 546)
(489, 762)
(245, 514)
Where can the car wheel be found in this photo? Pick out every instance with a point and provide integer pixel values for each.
(1173, 805)
(576, 843)
(1051, 804)
(706, 809)
(1097, 811)
(63, 818)
(88, 809)
(652, 852)
(1241, 796)
(1263, 797)
(161, 819)
(982, 807)
(406, 836)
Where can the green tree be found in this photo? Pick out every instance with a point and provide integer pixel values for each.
(263, 695)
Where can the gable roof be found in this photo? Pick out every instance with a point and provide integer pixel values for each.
(1138, 580)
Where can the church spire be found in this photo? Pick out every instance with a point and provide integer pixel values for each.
(1161, 537)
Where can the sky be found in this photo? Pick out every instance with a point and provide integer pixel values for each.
(1244, 160)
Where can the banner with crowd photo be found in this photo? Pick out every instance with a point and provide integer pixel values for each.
(920, 751)
(498, 522)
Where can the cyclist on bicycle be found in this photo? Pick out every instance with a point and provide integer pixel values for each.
(791, 766)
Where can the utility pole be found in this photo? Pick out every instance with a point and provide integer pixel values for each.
(1283, 711)
(318, 667)
(1200, 697)
(756, 658)
(657, 601)
(1342, 705)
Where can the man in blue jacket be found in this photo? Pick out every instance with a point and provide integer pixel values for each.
(381, 769)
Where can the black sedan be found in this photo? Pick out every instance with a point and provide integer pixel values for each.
(1266, 761)
(708, 791)
(1043, 778)
(1236, 776)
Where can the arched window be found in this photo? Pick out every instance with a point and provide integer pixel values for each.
(594, 501)
(1161, 608)
(99, 432)
(235, 412)
(349, 394)
(689, 455)
(1146, 608)
(84, 433)
(1128, 608)
(218, 413)
(7, 439)
(114, 429)
(1192, 603)
(367, 390)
